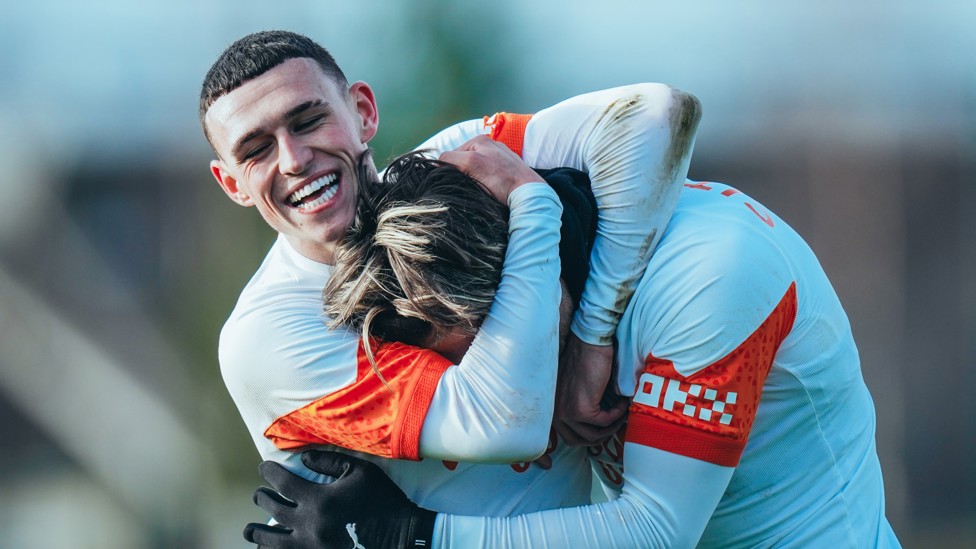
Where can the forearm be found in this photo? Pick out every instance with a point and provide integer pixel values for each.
(666, 502)
(497, 404)
(615, 524)
(635, 142)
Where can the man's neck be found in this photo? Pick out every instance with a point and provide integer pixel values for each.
(318, 252)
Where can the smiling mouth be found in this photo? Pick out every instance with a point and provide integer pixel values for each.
(316, 193)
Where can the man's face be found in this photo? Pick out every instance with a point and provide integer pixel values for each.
(288, 142)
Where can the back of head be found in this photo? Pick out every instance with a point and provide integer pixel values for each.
(256, 54)
(423, 256)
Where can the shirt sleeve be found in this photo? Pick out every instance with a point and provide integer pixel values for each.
(298, 383)
(635, 142)
(701, 337)
(654, 510)
(497, 405)
(707, 412)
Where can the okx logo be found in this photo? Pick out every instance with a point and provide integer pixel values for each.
(660, 392)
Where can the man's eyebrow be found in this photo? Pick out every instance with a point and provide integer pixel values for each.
(299, 109)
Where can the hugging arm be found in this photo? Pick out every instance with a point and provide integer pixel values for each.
(655, 510)
(635, 142)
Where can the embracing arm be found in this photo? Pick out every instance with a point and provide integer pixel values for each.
(655, 509)
(497, 404)
(635, 142)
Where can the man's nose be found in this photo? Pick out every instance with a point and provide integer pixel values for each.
(293, 156)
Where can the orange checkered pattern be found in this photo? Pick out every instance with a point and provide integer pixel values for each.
(709, 414)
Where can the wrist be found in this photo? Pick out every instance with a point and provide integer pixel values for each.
(529, 190)
(588, 335)
(422, 533)
(418, 530)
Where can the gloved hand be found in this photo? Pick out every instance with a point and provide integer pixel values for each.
(362, 509)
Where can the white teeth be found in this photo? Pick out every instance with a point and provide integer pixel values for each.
(312, 187)
(329, 193)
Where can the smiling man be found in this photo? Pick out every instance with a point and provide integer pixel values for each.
(291, 136)
(289, 142)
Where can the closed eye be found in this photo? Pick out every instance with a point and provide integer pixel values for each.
(255, 152)
(309, 123)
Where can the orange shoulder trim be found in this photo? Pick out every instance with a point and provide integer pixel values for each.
(366, 416)
(709, 414)
(508, 129)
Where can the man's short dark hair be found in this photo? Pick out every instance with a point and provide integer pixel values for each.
(256, 54)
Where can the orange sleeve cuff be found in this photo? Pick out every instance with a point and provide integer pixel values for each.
(684, 441)
(410, 420)
(508, 129)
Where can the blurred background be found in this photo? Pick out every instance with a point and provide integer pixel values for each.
(120, 258)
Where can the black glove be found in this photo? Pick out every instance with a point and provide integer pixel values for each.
(363, 508)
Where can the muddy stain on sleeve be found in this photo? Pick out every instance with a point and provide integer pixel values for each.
(683, 117)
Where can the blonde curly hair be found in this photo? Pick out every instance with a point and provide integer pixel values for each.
(422, 257)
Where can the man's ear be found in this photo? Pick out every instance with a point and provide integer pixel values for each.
(362, 96)
(229, 184)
